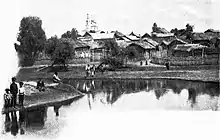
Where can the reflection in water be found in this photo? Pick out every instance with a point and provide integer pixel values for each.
(11, 123)
(192, 96)
(36, 118)
(129, 94)
(114, 89)
(56, 109)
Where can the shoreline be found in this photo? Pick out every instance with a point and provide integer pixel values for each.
(52, 97)
(44, 104)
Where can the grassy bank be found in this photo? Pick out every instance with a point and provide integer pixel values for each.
(201, 73)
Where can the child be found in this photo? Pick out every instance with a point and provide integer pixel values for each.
(7, 98)
(21, 94)
(40, 85)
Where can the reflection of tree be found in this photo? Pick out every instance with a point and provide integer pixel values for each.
(192, 95)
(115, 88)
(159, 92)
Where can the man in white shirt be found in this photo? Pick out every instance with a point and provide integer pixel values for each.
(56, 79)
(21, 94)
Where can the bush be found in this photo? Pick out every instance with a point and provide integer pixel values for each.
(115, 62)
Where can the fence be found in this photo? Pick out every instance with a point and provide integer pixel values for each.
(181, 61)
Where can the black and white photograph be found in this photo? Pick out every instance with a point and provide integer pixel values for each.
(110, 70)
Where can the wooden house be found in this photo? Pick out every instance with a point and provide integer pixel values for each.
(185, 50)
(141, 50)
(82, 50)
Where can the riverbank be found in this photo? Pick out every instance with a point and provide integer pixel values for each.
(77, 72)
(51, 96)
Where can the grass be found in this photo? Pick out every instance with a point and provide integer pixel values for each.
(202, 73)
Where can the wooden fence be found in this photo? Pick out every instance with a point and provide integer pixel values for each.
(181, 61)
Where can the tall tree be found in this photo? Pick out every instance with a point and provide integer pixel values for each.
(31, 38)
(60, 50)
(70, 34)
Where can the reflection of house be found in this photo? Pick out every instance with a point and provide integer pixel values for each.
(189, 50)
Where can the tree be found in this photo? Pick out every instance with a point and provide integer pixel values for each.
(189, 32)
(115, 54)
(70, 34)
(60, 50)
(51, 45)
(31, 38)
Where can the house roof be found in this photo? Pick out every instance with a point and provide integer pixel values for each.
(144, 45)
(96, 36)
(151, 41)
(189, 47)
(133, 38)
(146, 35)
(162, 34)
(212, 31)
(202, 36)
(80, 44)
(179, 41)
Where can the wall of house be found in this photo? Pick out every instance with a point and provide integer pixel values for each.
(159, 54)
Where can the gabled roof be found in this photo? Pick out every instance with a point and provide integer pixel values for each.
(80, 44)
(212, 31)
(189, 47)
(177, 41)
(142, 44)
(146, 35)
(151, 41)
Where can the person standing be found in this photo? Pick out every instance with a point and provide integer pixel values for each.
(14, 91)
(93, 70)
(21, 94)
(7, 98)
(87, 70)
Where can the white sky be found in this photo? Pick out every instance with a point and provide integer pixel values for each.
(59, 16)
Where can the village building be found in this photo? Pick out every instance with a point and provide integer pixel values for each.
(186, 50)
(82, 50)
(140, 50)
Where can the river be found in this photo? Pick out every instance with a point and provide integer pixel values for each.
(113, 96)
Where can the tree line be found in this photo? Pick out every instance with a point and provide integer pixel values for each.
(32, 41)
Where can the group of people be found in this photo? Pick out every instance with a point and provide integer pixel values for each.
(90, 70)
(11, 94)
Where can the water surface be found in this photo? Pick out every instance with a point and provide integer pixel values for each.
(117, 95)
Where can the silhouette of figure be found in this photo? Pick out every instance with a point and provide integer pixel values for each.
(21, 121)
(7, 122)
(14, 124)
(56, 110)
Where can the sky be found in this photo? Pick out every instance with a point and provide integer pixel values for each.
(58, 16)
